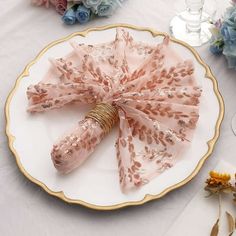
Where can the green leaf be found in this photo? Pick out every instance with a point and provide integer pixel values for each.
(215, 228)
(231, 223)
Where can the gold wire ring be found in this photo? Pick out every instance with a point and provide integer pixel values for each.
(105, 114)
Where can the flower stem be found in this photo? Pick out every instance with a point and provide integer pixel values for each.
(220, 208)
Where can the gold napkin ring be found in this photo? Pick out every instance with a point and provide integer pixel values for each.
(105, 114)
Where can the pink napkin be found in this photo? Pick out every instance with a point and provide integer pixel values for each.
(151, 90)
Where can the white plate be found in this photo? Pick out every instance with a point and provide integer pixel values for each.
(95, 184)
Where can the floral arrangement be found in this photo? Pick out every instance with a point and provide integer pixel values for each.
(224, 36)
(218, 184)
(80, 11)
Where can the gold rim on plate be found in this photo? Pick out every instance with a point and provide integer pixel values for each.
(148, 197)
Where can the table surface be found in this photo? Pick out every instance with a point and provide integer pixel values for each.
(25, 208)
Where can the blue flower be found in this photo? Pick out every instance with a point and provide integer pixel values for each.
(107, 7)
(230, 54)
(69, 17)
(229, 33)
(93, 4)
(224, 37)
(83, 14)
(216, 49)
(228, 29)
(216, 42)
(230, 16)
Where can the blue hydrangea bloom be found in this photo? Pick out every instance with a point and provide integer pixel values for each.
(69, 17)
(230, 54)
(92, 4)
(83, 14)
(107, 7)
(228, 29)
(216, 49)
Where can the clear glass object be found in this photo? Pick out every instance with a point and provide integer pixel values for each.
(209, 11)
(193, 24)
(233, 124)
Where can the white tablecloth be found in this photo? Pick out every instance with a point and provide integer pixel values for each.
(25, 209)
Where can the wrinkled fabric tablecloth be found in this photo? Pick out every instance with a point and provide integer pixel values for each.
(25, 208)
(196, 209)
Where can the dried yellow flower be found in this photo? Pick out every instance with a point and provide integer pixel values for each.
(218, 182)
(218, 178)
(234, 190)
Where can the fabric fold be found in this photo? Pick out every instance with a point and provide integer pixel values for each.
(151, 89)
